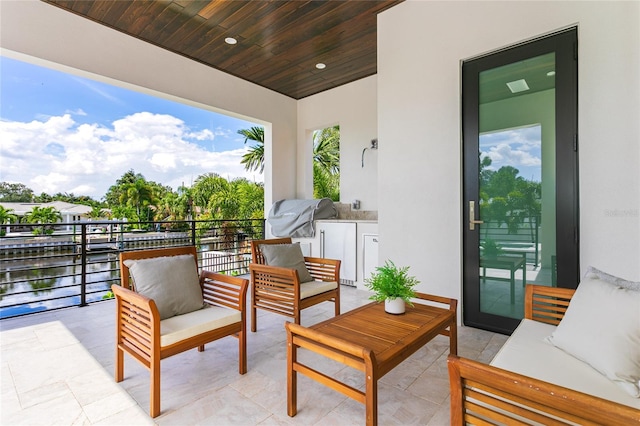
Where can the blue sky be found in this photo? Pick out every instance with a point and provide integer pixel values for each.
(64, 133)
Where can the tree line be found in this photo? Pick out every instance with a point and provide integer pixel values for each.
(137, 199)
(507, 198)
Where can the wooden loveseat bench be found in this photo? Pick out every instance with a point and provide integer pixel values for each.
(531, 381)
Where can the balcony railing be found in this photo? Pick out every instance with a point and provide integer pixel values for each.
(74, 264)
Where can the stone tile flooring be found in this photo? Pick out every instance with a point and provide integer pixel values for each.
(57, 369)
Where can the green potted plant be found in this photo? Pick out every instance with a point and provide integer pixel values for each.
(490, 248)
(393, 285)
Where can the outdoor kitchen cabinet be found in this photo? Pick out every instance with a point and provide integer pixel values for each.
(344, 240)
(337, 240)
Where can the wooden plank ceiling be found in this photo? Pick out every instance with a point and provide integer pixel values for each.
(279, 42)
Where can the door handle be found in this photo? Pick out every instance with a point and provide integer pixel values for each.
(472, 214)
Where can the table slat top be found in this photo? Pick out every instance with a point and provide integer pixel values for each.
(387, 334)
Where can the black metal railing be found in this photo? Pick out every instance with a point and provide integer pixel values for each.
(73, 264)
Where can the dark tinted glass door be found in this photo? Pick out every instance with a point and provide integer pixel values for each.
(520, 177)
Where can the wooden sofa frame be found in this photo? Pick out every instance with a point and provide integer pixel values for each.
(277, 289)
(482, 394)
(138, 328)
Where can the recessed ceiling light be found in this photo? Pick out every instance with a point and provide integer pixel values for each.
(230, 40)
(551, 73)
(518, 86)
(320, 66)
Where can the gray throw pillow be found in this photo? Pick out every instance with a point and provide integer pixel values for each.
(620, 282)
(286, 256)
(171, 281)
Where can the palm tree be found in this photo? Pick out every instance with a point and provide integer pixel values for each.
(6, 216)
(326, 149)
(326, 163)
(139, 195)
(254, 159)
(184, 203)
(97, 212)
(164, 209)
(205, 186)
(43, 215)
(252, 195)
(325, 185)
(225, 203)
(326, 159)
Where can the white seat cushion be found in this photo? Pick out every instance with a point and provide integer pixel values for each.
(526, 352)
(312, 288)
(184, 326)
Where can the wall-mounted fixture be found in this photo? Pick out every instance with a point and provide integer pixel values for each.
(374, 145)
(355, 204)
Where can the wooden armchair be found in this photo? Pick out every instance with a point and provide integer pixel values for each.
(279, 290)
(142, 333)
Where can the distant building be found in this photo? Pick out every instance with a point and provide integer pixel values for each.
(70, 212)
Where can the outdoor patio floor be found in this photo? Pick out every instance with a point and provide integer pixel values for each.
(57, 369)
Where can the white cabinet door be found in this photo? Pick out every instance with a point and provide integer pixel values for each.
(306, 245)
(369, 255)
(338, 241)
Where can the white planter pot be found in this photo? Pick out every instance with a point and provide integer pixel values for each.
(394, 306)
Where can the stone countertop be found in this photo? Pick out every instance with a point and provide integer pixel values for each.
(346, 213)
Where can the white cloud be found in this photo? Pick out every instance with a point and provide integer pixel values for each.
(519, 147)
(79, 111)
(59, 155)
(504, 154)
(201, 136)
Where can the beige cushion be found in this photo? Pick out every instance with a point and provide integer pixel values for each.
(602, 328)
(171, 281)
(312, 288)
(286, 256)
(527, 352)
(178, 328)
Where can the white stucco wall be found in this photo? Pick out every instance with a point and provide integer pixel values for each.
(354, 107)
(420, 46)
(32, 29)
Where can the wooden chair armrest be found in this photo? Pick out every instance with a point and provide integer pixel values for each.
(323, 269)
(546, 304)
(481, 393)
(224, 290)
(453, 303)
(136, 299)
(137, 325)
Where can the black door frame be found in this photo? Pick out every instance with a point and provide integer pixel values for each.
(564, 44)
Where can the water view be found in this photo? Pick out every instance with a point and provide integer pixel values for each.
(40, 281)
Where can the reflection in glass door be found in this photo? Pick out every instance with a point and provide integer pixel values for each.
(519, 108)
(515, 248)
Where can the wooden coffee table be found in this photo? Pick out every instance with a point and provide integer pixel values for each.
(370, 340)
